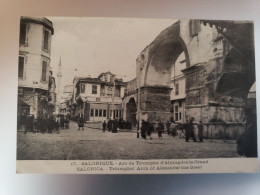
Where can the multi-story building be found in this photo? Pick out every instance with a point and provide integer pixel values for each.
(36, 86)
(99, 98)
(178, 92)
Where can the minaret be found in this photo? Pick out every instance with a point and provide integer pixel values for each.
(59, 75)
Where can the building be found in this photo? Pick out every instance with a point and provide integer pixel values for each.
(97, 99)
(178, 92)
(210, 84)
(66, 100)
(36, 85)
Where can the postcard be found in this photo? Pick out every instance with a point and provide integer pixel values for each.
(136, 96)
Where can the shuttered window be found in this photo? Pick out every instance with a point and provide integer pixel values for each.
(21, 67)
(23, 33)
(44, 70)
(46, 40)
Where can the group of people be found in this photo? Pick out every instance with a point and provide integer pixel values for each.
(146, 130)
(46, 123)
(113, 125)
(172, 128)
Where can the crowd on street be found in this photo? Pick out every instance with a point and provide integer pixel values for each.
(46, 123)
(246, 144)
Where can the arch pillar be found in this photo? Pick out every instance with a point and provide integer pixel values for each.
(155, 103)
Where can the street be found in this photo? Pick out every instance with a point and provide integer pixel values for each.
(94, 144)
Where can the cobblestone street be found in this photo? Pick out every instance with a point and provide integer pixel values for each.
(93, 144)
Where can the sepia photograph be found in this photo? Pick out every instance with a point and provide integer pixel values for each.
(102, 90)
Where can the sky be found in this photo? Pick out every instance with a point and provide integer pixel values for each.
(95, 45)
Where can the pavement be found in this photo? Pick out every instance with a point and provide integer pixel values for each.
(94, 144)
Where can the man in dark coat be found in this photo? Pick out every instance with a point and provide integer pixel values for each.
(62, 121)
(43, 124)
(29, 124)
(189, 132)
(109, 125)
(160, 129)
(143, 129)
(247, 142)
(200, 129)
(81, 123)
(114, 124)
(149, 129)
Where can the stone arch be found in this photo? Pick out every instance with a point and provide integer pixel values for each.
(237, 77)
(156, 63)
(163, 52)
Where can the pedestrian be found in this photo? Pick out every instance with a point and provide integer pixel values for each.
(62, 120)
(173, 129)
(189, 132)
(168, 124)
(51, 124)
(143, 129)
(29, 124)
(247, 142)
(114, 126)
(109, 125)
(57, 124)
(200, 129)
(81, 122)
(104, 125)
(160, 129)
(43, 124)
(150, 129)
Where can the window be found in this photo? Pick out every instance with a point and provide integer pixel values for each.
(176, 116)
(180, 115)
(100, 113)
(21, 67)
(109, 91)
(104, 113)
(180, 103)
(102, 91)
(96, 112)
(23, 33)
(116, 113)
(46, 40)
(177, 89)
(176, 113)
(194, 27)
(176, 108)
(92, 112)
(94, 89)
(44, 70)
(82, 90)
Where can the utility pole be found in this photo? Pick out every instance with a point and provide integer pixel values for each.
(138, 101)
(113, 95)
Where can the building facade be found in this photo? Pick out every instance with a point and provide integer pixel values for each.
(98, 99)
(217, 72)
(66, 100)
(36, 85)
(178, 92)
